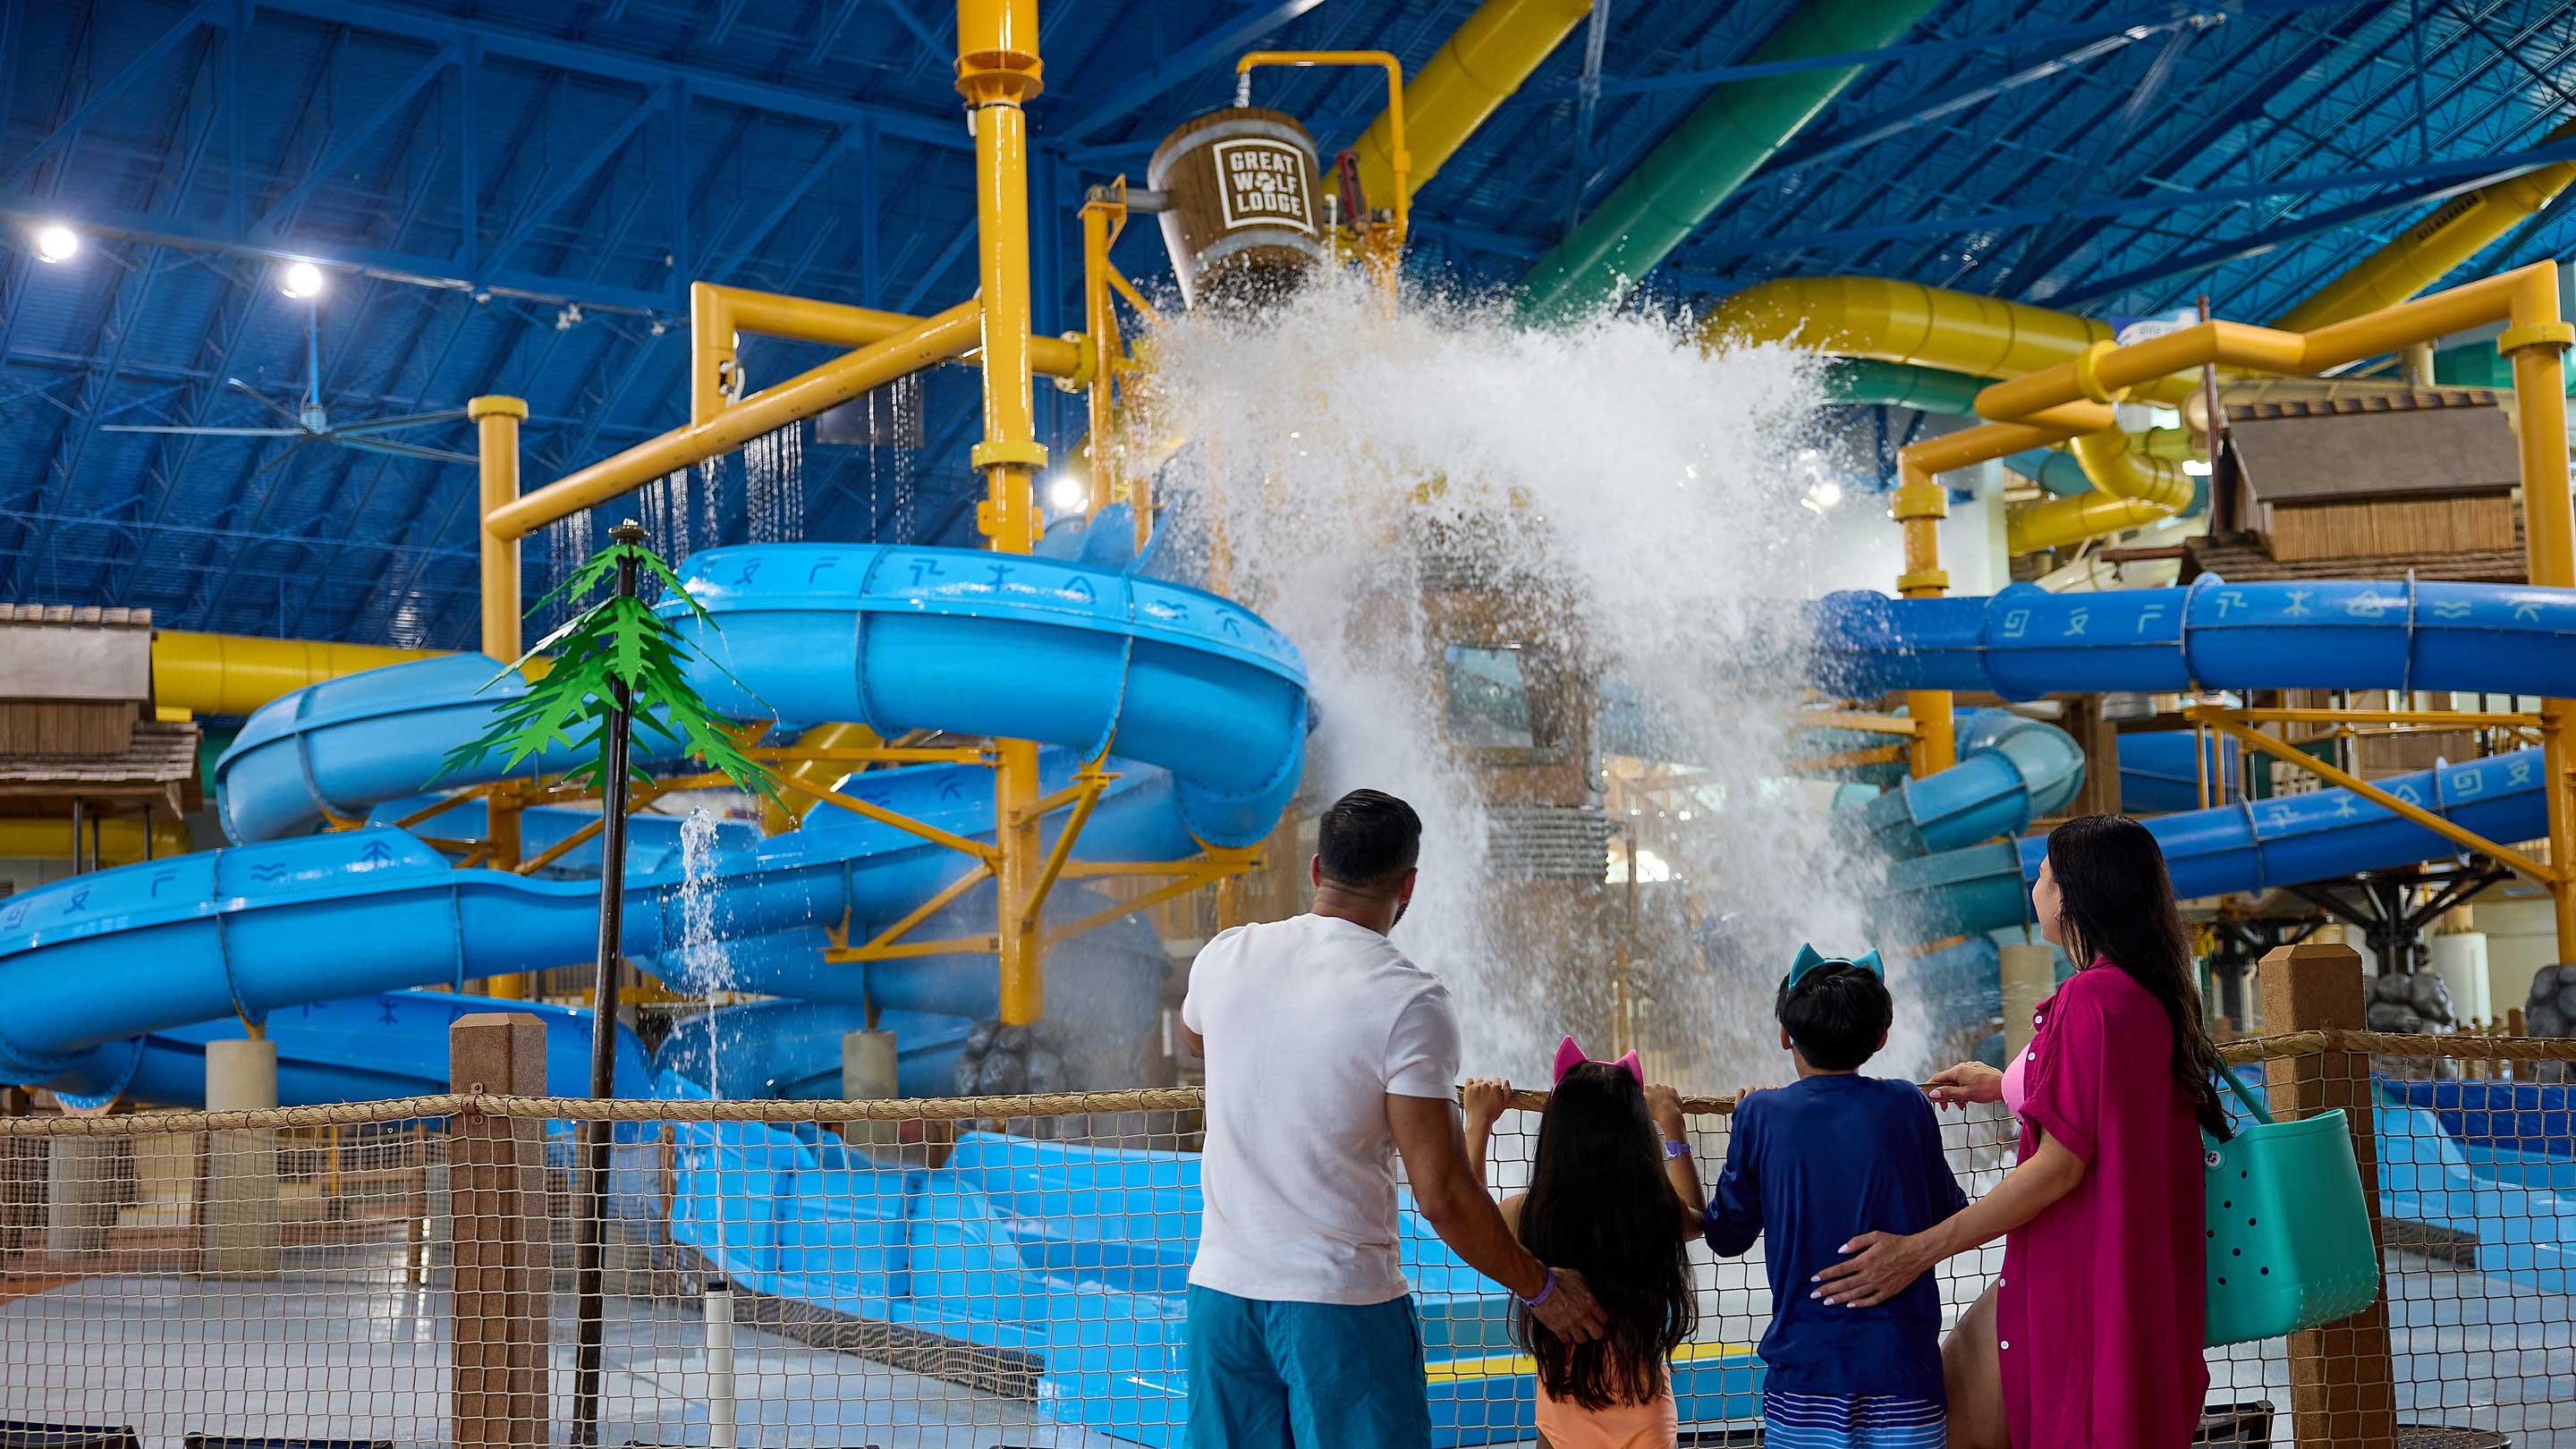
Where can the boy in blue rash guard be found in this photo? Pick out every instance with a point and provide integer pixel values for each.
(1808, 1167)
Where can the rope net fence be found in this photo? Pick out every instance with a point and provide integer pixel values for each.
(1006, 1272)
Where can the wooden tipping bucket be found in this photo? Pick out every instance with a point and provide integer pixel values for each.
(1245, 216)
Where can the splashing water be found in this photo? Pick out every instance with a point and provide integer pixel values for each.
(774, 484)
(1608, 506)
(706, 960)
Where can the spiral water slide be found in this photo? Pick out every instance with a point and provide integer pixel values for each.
(108, 980)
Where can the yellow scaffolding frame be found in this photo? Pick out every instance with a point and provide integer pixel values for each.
(2238, 725)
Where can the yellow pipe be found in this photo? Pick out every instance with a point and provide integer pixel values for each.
(937, 339)
(720, 315)
(2426, 252)
(776, 816)
(1399, 160)
(1488, 58)
(120, 839)
(998, 70)
(496, 422)
(2130, 490)
(236, 673)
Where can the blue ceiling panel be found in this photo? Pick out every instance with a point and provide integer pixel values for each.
(515, 198)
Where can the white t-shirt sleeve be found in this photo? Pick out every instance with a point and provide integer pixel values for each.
(1217, 948)
(1423, 1052)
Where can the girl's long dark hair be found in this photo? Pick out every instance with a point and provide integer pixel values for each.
(1599, 1203)
(2116, 903)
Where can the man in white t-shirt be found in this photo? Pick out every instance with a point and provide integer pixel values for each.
(1328, 1054)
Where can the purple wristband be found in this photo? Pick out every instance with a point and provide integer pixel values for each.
(1544, 1292)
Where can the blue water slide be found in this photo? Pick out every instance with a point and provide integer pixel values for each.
(2158, 773)
(792, 1049)
(2011, 771)
(2301, 634)
(2248, 846)
(1063, 654)
(1205, 703)
(391, 1044)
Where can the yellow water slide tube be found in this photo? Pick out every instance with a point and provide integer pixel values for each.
(1906, 322)
(234, 674)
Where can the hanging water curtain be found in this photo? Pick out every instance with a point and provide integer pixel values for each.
(1241, 216)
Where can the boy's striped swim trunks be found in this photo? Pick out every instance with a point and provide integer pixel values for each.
(1852, 1421)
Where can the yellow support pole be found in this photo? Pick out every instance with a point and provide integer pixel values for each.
(998, 71)
(1104, 216)
(496, 425)
(2537, 341)
(1918, 506)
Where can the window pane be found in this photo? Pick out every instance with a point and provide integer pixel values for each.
(1488, 703)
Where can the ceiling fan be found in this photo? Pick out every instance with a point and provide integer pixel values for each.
(311, 423)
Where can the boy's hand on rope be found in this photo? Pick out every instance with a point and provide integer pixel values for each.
(1965, 1083)
(1485, 1098)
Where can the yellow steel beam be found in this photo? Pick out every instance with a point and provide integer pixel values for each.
(874, 754)
(883, 816)
(1086, 795)
(2463, 719)
(1818, 764)
(953, 946)
(982, 872)
(1847, 719)
(2226, 723)
(719, 315)
(948, 334)
(1216, 865)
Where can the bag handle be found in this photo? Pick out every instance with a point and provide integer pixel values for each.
(2236, 1085)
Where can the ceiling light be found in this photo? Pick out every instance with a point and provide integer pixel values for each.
(1823, 494)
(2196, 467)
(301, 280)
(1066, 493)
(56, 242)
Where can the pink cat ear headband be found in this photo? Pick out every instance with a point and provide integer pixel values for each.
(1569, 1056)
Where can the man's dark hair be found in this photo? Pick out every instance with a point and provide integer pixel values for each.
(1837, 1015)
(1367, 839)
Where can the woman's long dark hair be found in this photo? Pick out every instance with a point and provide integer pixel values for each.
(2116, 903)
(1599, 1203)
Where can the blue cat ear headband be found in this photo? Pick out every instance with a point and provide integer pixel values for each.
(1809, 958)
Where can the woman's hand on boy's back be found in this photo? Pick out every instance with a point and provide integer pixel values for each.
(1965, 1083)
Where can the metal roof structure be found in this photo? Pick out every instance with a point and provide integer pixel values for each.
(514, 199)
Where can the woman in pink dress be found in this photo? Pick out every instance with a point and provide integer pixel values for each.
(2091, 1338)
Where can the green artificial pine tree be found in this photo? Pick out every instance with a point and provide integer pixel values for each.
(617, 640)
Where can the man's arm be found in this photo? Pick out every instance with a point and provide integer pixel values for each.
(1463, 1214)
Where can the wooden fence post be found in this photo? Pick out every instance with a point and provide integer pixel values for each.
(2343, 1390)
(497, 1191)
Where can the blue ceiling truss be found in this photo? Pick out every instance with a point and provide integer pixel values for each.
(514, 199)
